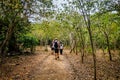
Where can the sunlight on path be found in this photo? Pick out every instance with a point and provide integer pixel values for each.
(52, 69)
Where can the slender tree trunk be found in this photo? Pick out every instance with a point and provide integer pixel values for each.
(73, 46)
(86, 16)
(76, 47)
(108, 44)
(32, 49)
(88, 24)
(92, 46)
(115, 47)
(46, 49)
(83, 46)
(110, 56)
(82, 55)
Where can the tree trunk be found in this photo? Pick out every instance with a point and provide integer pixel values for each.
(76, 47)
(7, 38)
(86, 16)
(83, 45)
(82, 55)
(92, 46)
(32, 49)
(6, 41)
(72, 42)
(108, 44)
(46, 49)
(73, 46)
(13, 46)
(115, 43)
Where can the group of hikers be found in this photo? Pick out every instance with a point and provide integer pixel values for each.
(56, 48)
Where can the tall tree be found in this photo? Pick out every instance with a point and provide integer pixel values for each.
(85, 7)
(15, 13)
(12, 12)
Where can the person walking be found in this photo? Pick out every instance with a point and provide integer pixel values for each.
(61, 48)
(56, 49)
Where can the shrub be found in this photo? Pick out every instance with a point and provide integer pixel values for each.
(28, 41)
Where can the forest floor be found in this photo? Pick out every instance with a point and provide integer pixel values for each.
(43, 66)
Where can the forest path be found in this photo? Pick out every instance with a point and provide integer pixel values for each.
(51, 69)
(39, 66)
(43, 66)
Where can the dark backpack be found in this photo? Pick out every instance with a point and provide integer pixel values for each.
(56, 45)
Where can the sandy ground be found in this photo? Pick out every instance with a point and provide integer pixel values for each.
(40, 66)
(52, 69)
(43, 66)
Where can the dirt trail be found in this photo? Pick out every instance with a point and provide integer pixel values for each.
(52, 69)
(43, 66)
